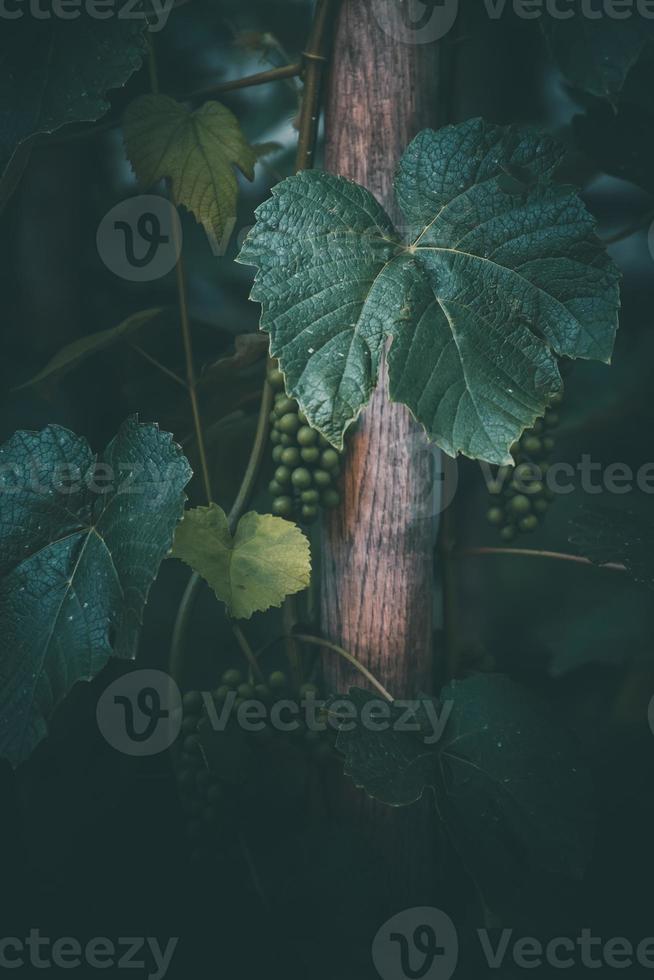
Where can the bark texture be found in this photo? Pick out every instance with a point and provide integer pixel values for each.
(377, 565)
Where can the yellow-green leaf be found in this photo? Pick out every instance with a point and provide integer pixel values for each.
(267, 559)
(196, 150)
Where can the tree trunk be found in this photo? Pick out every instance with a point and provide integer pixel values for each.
(377, 567)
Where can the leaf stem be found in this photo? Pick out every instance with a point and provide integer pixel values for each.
(246, 650)
(537, 553)
(182, 297)
(351, 659)
(162, 367)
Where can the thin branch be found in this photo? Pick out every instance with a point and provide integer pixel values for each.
(248, 81)
(351, 659)
(159, 365)
(536, 553)
(185, 320)
(315, 59)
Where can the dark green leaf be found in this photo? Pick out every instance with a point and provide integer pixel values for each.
(81, 541)
(508, 784)
(595, 53)
(611, 535)
(70, 356)
(491, 287)
(55, 71)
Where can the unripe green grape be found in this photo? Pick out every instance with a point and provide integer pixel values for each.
(286, 440)
(192, 702)
(277, 680)
(529, 523)
(329, 459)
(275, 379)
(309, 496)
(301, 479)
(330, 498)
(306, 436)
(495, 516)
(291, 456)
(310, 454)
(282, 507)
(309, 512)
(322, 478)
(507, 533)
(519, 504)
(549, 444)
(221, 693)
(232, 678)
(275, 437)
(282, 475)
(541, 506)
(302, 417)
(245, 691)
(285, 406)
(289, 424)
(535, 488)
(532, 445)
(262, 691)
(525, 472)
(277, 454)
(275, 488)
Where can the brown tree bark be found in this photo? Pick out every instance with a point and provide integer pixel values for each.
(377, 588)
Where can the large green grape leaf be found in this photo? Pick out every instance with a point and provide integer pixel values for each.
(81, 540)
(506, 778)
(596, 53)
(196, 150)
(499, 272)
(55, 71)
(266, 559)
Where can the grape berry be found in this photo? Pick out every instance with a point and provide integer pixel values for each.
(241, 773)
(520, 496)
(308, 467)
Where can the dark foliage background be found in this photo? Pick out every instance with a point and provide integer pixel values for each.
(92, 843)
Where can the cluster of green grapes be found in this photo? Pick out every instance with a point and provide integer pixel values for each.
(521, 498)
(307, 466)
(224, 776)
